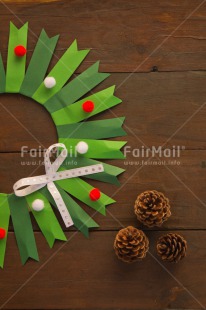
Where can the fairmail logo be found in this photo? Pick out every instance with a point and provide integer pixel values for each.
(160, 152)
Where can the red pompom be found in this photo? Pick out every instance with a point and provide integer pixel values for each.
(88, 106)
(20, 50)
(94, 194)
(2, 233)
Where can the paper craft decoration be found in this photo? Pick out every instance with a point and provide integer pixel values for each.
(70, 103)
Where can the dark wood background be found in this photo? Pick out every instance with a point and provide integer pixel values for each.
(156, 52)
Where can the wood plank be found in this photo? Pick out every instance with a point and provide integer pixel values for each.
(124, 35)
(85, 274)
(183, 183)
(17, 1)
(160, 108)
(24, 123)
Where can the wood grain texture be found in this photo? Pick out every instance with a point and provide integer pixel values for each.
(162, 109)
(125, 35)
(85, 274)
(183, 183)
(21, 1)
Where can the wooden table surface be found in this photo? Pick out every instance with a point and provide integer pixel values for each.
(156, 52)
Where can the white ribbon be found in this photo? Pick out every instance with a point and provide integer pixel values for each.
(35, 183)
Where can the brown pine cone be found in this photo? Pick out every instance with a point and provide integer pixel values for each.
(171, 247)
(152, 208)
(131, 244)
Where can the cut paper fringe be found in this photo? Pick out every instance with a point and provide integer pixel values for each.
(64, 103)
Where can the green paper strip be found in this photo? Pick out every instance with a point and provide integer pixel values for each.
(97, 148)
(81, 219)
(108, 128)
(23, 228)
(38, 64)
(15, 65)
(2, 76)
(62, 71)
(80, 190)
(78, 87)
(109, 175)
(46, 220)
(4, 223)
(74, 113)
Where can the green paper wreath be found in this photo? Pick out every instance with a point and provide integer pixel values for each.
(64, 104)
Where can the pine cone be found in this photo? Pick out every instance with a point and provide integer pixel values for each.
(171, 247)
(152, 208)
(131, 244)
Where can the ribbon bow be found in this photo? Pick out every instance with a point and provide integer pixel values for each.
(35, 183)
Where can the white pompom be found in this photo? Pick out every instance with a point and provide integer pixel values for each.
(82, 147)
(38, 205)
(49, 82)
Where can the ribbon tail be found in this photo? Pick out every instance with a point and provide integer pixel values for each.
(4, 223)
(23, 228)
(109, 175)
(46, 220)
(60, 204)
(81, 219)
